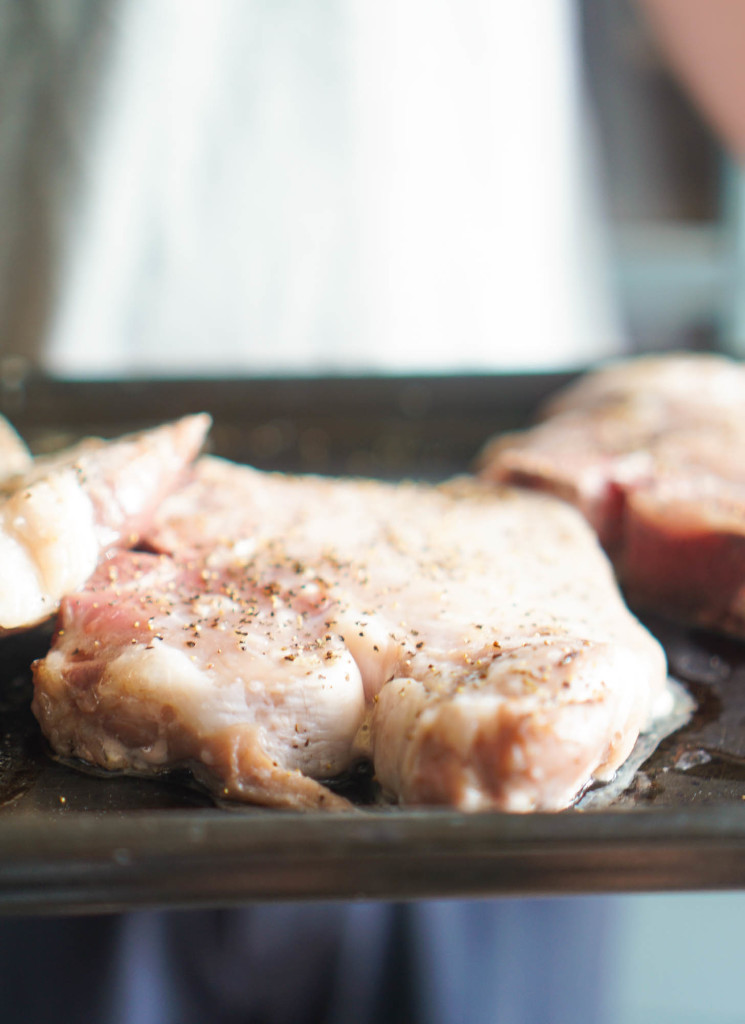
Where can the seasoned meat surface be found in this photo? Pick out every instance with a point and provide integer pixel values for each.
(63, 512)
(650, 451)
(160, 663)
(471, 641)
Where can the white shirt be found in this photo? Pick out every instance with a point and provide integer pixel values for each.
(330, 187)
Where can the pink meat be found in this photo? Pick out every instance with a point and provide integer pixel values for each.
(61, 514)
(471, 642)
(159, 663)
(650, 452)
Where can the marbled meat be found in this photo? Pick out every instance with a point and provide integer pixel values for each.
(650, 451)
(62, 513)
(470, 641)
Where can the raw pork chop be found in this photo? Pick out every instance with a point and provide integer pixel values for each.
(470, 641)
(59, 516)
(651, 451)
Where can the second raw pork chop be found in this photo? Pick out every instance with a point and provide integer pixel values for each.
(471, 642)
(651, 451)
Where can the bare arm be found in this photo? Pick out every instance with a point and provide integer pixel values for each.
(705, 43)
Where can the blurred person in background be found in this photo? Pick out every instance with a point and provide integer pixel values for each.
(194, 187)
(303, 187)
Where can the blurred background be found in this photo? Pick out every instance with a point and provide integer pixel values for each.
(283, 187)
(674, 199)
(297, 187)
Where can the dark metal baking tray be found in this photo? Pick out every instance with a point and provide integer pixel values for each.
(74, 842)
